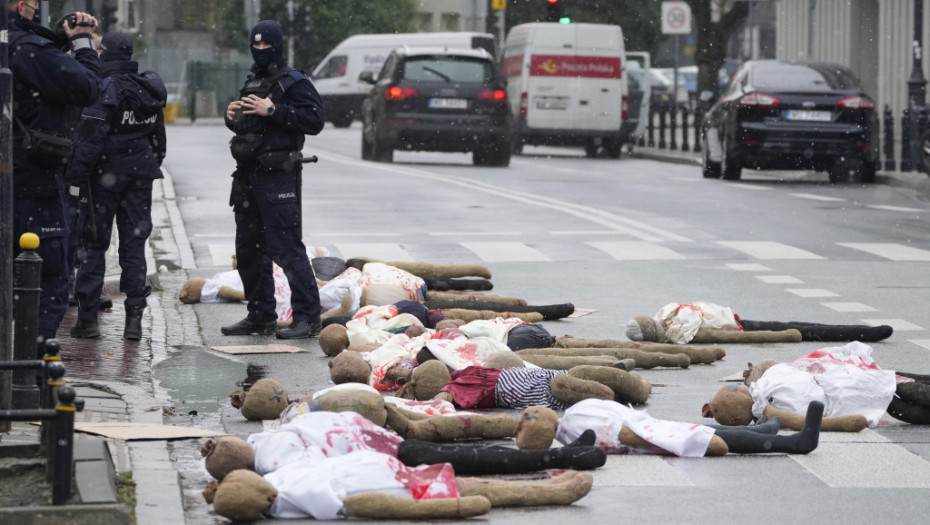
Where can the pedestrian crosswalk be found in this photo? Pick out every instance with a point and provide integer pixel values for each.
(440, 248)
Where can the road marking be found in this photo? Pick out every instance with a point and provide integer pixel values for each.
(849, 307)
(357, 234)
(221, 254)
(769, 250)
(220, 235)
(505, 252)
(584, 232)
(749, 187)
(892, 251)
(779, 279)
(474, 234)
(639, 229)
(866, 465)
(899, 325)
(921, 342)
(893, 208)
(814, 197)
(748, 267)
(812, 292)
(636, 251)
(374, 250)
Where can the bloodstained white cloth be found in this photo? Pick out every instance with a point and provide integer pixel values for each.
(682, 321)
(606, 418)
(844, 378)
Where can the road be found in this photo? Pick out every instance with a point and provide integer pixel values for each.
(621, 238)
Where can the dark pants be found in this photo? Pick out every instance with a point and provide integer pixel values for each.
(268, 229)
(129, 199)
(45, 218)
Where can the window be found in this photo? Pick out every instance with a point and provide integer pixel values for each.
(447, 69)
(451, 22)
(333, 68)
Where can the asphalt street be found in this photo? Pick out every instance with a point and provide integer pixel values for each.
(618, 237)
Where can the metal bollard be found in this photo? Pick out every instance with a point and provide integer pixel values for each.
(906, 140)
(698, 117)
(685, 145)
(651, 129)
(673, 127)
(888, 125)
(27, 270)
(662, 143)
(55, 370)
(63, 446)
(52, 348)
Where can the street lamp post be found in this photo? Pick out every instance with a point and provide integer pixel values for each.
(6, 222)
(916, 85)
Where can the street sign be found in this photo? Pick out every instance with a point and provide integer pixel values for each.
(676, 18)
(498, 5)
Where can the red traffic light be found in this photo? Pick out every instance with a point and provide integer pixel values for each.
(553, 1)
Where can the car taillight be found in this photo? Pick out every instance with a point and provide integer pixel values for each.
(400, 93)
(857, 102)
(524, 103)
(497, 95)
(759, 100)
(625, 107)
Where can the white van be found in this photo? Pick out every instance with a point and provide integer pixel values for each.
(336, 78)
(566, 86)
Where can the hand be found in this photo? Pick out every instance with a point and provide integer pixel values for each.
(79, 29)
(231, 110)
(256, 106)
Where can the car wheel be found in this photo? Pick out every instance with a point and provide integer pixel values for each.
(852, 171)
(613, 147)
(380, 152)
(925, 153)
(730, 168)
(711, 169)
(516, 144)
(366, 147)
(342, 121)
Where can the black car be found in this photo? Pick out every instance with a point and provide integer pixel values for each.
(438, 99)
(790, 115)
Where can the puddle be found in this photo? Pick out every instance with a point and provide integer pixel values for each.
(198, 380)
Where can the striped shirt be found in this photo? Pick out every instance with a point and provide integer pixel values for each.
(526, 387)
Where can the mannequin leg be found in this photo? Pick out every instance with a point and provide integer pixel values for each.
(742, 441)
(468, 459)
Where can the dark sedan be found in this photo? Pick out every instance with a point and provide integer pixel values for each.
(438, 99)
(788, 115)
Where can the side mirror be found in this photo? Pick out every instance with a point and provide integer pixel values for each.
(706, 96)
(367, 77)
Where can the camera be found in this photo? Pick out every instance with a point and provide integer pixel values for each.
(71, 20)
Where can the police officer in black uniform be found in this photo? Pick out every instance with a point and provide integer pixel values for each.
(120, 147)
(46, 81)
(278, 106)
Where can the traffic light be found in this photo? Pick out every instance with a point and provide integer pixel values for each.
(555, 13)
(553, 10)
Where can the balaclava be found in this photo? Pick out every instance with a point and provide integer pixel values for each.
(115, 46)
(267, 31)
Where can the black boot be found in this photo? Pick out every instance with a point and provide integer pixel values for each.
(248, 326)
(299, 330)
(84, 329)
(470, 459)
(133, 329)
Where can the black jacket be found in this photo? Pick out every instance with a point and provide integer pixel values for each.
(46, 82)
(124, 131)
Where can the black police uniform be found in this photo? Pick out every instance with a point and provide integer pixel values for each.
(46, 81)
(266, 191)
(120, 147)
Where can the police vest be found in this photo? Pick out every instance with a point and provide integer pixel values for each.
(130, 118)
(262, 88)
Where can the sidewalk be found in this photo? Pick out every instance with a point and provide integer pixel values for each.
(917, 181)
(114, 377)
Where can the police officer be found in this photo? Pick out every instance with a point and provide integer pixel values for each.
(120, 147)
(278, 106)
(46, 81)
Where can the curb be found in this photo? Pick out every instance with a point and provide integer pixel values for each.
(110, 514)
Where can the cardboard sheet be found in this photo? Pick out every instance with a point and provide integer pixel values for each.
(260, 349)
(143, 431)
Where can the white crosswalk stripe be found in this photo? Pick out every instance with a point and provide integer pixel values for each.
(505, 252)
(382, 251)
(892, 251)
(636, 251)
(769, 250)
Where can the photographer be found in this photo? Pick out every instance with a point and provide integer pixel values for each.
(46, 82)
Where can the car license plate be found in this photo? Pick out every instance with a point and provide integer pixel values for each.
(806, 114)
(552, 103)
(448, 103)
